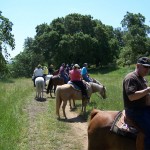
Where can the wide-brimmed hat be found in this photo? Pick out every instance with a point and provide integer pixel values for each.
(145, 61)
(76, 66)
(39, 66)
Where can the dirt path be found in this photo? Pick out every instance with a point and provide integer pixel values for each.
(79, 126)
(77, 123)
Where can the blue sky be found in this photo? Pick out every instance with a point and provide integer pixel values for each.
(27, 14)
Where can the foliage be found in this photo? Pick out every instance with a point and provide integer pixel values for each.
(78, 38)
(135, 37)
(6, 39)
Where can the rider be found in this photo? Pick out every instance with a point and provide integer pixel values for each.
(45, 72)
(63, 73)
(136, 94)
(38, 72)
(84, 73)
(75, 77)
(51, 69)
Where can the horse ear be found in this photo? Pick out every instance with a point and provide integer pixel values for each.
(104, 87)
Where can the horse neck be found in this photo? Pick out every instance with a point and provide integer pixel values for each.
(96, 87)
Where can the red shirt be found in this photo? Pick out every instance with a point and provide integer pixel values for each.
(75, 75)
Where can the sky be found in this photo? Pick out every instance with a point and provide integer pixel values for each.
(27, 14)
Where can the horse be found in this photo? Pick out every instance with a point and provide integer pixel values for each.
(101, 138)
(56, 72)
(95, 81)
(54, 81)
(66, 92)
(39, 82)
(73, 101)
(47, 79)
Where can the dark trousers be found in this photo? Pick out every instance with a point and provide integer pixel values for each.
(66, 79)
(142, 119)
(82, 86)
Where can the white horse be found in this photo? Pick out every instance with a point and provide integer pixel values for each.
(48, 78)
(39, 82)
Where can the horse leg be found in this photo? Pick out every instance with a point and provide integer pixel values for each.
(70, 104)
(50, 93)
(74, 105)
(84, 103)
(55, 88)
(63, 108)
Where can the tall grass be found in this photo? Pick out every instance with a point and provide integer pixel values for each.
(13, 96)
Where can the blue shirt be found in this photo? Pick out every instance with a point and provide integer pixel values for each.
(84, 71)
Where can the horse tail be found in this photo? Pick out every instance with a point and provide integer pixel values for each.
(93, 113)
(58, 101)
(49, 84)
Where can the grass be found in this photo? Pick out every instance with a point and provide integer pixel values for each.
(24, 122)
(48, 132)
(13, 98)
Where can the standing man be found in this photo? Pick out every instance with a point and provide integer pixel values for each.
(135, 96)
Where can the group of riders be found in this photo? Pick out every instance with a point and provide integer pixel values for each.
(72, 73)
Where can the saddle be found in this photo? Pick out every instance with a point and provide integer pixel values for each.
(124, 126)
(77, 87)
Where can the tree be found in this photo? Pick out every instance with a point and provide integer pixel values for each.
(135, 36)
(6, 39)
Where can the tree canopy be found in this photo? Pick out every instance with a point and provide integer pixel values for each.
(6, 39)
(78, 38)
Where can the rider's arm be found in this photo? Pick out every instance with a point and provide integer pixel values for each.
(139, 94)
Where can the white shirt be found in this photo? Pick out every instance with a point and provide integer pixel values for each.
(38, 72)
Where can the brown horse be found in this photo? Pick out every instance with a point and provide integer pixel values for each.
(53, 82)
(101, 138)
(67, 92)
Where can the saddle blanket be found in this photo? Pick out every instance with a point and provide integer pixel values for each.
(121, 128)
(77, 87)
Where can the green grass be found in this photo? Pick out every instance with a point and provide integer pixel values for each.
(17, 94)
(13, 97)
(15, 123)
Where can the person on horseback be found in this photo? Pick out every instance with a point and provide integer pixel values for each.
(45, 73)
(38, 72)
(85, 74)
(135, 95)
(51, 69)
(75, 77)
(63, 74)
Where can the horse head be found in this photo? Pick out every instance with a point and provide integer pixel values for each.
(98, 88)
(103, 93)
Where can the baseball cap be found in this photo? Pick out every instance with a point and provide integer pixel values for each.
(145, 61)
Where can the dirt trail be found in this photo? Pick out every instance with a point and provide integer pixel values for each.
(77, 123)
(79, 126)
